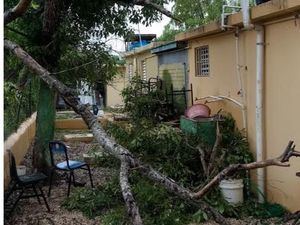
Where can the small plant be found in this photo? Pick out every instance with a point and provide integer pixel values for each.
(142, 103)
(235, 146)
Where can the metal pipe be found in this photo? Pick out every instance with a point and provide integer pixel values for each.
(260, 108)
(222, 97)
(246, 14)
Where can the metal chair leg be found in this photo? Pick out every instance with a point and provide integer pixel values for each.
(50, 184)
(73, 176)
(90, 175)
(16, 202)
(10, 192)
(36, 193)
(69, 182)
(45, 200)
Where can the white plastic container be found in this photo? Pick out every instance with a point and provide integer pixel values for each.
(232, 191)
(21, 170)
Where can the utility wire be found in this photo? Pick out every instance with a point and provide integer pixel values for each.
(76, 67)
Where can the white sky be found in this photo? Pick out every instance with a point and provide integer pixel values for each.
(155, 28)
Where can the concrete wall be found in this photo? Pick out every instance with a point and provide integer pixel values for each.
(19, 144)
(282, 92)
(283, 109)
(113, 91)
(136, 60)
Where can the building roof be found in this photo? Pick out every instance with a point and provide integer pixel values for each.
(143, 49)
(136, 37)
(174, 45)
(258, 14)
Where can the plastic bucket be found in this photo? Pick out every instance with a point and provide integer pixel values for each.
(21, 170)
(232, 191)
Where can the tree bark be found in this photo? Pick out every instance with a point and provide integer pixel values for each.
(47, 97)
(121, 153)
(17, 11)
(44, 127)
(132, 208)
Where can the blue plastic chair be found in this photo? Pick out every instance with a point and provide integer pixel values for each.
(59, 148)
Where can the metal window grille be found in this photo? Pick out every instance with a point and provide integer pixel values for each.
(202, 61)
(144, 72)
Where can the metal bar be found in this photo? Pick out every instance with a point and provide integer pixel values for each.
(192, 95)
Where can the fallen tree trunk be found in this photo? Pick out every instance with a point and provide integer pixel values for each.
(127, 158)
(132, 208)
(109, 145)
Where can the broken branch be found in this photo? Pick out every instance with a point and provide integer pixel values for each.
(17, 11)
(108, 144)
(132, 208)
(279, 161)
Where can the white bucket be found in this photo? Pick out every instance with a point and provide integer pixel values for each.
(232, 191)
(21, 170)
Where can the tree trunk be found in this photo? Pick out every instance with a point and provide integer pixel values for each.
(44, 126)
(47, 100)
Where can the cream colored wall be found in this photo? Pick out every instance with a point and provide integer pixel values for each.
(114, 90)
(18, 143)
(222, 79)
(136, 61)
(283, 109)
(281, 95)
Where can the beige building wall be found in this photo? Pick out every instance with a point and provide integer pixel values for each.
(115, 88)
(136, 62)
(283, 109)
(282, 93)
(114, 91)
(136, 57)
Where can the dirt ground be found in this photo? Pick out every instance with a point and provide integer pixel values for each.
(30, 212)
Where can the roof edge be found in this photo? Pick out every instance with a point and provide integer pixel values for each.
(258, 14)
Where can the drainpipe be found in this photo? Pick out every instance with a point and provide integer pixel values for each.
(246, 14)
(260, 48)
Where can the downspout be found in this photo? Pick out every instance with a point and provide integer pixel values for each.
(260, 52)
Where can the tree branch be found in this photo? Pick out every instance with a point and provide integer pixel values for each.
(157, 8)
(214, 150)
(132, 208)
(108, 144)
(279, 161)
(17, 11)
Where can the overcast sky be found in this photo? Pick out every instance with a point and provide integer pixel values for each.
(155, 28)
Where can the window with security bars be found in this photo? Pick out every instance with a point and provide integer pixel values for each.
(144, 72)
(202, 61)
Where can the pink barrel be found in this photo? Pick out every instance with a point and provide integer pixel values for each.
(197, 110)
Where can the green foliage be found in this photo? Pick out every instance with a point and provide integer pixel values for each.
(115, 216)
(169, 33)
(140, 103)
(164, 148)
(19, 104)
(234, 145)
(92, 202)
